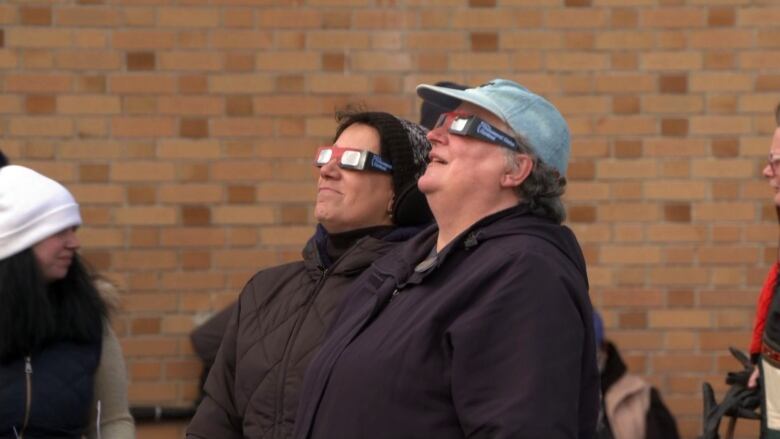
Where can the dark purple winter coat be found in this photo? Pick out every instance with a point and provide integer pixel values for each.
(495, 340)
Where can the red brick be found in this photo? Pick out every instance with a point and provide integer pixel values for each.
(582, 214)
(188, 17)
(195, 215)
(94, 172)
(721, 16)
(194, 128)
(625, 104)
(195, 260)
(88, 17)
(142, 84)
(192, 84)
(241, 194)
(724, 148)
(581, 170)
(673, 17)
(238, 106)
(719, 60)
(142, 127)
(35, 15)
(143, 39)
(140, 61)
(333, 62)
(145, 326)
(336, 19)
(673, 84)
(91, 83)
(40, 104)
(623, 18)
(768, 83)
(674, 127)
(677, 212)
(238, 17)
(484, 42)
(239, 62)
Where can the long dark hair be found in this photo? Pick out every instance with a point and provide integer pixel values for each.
(34, 313)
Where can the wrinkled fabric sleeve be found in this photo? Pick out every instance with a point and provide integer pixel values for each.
(762, 308)
(517, 356)
(111, 391)
(217, 416)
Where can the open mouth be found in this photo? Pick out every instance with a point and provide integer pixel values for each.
(436, 159)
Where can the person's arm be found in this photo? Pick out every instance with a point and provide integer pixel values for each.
(518, 356)
(762, 307)
(217, 416)
(111, 393)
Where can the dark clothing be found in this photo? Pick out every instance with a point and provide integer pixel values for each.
(634, 407)
(277, 324)
(61, 387)
(769, 353)
(491, 339)
(206, 339)
(765, 299)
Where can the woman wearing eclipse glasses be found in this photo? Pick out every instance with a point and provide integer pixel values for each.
(367, 203)
(479, 326)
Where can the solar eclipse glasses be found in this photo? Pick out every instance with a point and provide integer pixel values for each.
(354, 159)
(472, 126)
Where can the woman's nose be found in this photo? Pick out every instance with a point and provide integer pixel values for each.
(767, 171)
(72, 241)
(437, 135)
(330, 169)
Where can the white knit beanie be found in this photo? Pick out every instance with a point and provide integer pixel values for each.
(33, 207)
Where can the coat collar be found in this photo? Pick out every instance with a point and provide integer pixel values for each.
(356, 250)
(516, 220)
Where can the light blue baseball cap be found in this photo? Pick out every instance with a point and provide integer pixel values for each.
(529, 115)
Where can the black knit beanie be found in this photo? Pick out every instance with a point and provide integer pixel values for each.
(405, 146)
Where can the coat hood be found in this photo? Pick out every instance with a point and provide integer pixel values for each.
(488, 229)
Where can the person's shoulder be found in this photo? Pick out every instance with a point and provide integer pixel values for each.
(276, 270)
(522, 244)
(287, 280)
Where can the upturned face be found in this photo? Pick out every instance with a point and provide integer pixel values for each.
(772, 169)
(351, 199)
(55, 254)
(462, 167)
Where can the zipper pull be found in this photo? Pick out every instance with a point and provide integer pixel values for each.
(27, 365)
(392, 296)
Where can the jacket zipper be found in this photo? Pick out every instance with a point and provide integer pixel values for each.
(288, 350)
(28, 401)
(279, 415)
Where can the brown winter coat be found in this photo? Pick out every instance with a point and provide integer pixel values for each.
(279, 321)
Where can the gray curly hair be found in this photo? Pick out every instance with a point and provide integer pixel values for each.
(543, 187)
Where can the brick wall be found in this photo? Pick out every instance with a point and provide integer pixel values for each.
(186, 129)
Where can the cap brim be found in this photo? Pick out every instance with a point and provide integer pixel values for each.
(449, 99)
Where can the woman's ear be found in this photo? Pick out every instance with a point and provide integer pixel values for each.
(515, 175)
(390, 205)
